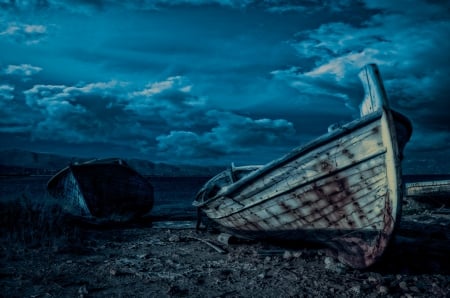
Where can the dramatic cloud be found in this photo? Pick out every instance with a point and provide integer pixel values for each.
(214, 80)
(163, 118)
(399, 39)
(404, 40)
(211, 133)
(40, 95)
(168, 102)
(233, 135)
(74, 113)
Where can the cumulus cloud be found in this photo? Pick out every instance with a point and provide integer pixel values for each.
(169, 101)
(163, 117)
(176, 83)
(41, 95)
(6, 93)
(197, 132)
(232, 134)
(25, 70)
(28, 34)
(114, 111)
(82, 113)
(405, 40)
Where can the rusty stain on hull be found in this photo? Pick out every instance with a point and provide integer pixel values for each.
(343, 189)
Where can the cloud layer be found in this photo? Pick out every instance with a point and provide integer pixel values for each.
(214, 81)
(163, 118)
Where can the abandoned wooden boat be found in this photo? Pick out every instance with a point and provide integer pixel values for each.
(102, 189)
(428, 187)
(344, 189)
(427, 191)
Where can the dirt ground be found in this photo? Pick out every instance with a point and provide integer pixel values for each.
(173, 260)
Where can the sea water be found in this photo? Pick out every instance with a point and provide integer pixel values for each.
(173, 195)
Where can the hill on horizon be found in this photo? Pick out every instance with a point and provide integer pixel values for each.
(22, 162)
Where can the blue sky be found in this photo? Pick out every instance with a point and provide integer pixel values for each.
(216, 81)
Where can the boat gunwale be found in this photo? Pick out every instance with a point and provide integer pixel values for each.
(301, 150)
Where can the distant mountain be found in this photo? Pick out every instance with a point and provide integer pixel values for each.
(146, 167)
(429, 166)
(21, 162)
(35, 160)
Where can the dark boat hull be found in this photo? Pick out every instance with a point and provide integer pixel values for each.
(103, 189)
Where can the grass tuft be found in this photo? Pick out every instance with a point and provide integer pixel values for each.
(36, 223)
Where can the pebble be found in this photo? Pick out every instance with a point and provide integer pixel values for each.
(144, 256)
(287, 255)
(174, 238)
(297, 254)
(332, 265)
(356, 289)
(82, 291)
(403, 285)
(383, 290)
(113, 272)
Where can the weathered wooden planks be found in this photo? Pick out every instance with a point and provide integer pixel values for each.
(343, 189)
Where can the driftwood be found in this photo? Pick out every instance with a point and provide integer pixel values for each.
(213, 246)
(225, 238)
(228, 239)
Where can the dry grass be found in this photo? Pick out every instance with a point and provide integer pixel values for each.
(36, 223)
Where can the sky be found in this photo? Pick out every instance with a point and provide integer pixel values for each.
(211, 82)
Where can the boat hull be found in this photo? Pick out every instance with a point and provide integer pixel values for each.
(343, 190)
(428, 188)
(102, 189)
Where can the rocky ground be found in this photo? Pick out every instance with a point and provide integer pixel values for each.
(174, 260)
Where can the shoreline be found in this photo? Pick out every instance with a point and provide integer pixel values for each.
(176, 261)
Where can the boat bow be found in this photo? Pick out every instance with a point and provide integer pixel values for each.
(343, 189)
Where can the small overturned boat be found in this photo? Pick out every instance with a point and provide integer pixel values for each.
(107, 189)
(427, 191)
(343, 189)
(428, 186)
